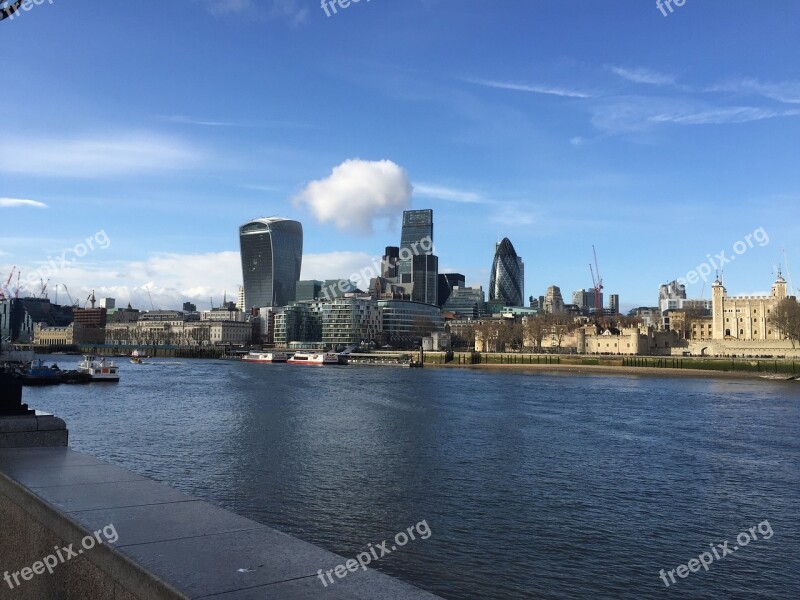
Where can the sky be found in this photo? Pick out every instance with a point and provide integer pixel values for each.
(138, 136)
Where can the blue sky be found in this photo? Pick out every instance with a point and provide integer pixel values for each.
(557, 123)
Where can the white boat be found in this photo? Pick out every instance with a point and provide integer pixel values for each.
(307, 358)
(266, 357)
(99, 369)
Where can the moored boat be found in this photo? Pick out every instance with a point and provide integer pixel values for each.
(320, 358)
(100, 369)
(266, 357)
(37, 373)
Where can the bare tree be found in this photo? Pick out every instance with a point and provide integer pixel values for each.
(535, 328)
(786, 317)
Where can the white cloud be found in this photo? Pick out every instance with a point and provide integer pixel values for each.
(357, 193)
(99, 156)
(534, 89)
(642, 75)
(17, 202)
(171, 279)
(358, 266)
(439, 192)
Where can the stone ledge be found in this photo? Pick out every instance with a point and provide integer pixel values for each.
(170, 545)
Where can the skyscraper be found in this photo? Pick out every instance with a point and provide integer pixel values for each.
(416, 238)
(272, 254)
(507, 280)
(425, 279)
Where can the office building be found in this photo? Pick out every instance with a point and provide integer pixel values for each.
(466, 302)
(425, 279)
(272, 255)
(308, 290)
(507, 278)
(390, 262)
(416, 239)
(448, 281)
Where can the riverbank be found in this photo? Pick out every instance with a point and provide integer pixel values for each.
(615, 370)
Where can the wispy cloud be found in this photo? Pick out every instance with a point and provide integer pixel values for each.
(18, 202)
(638, 113)
(186, 120)
(288, 9)
(530, 88)
(643, 75)
(97, 156)
(439, 192)
(787, 92)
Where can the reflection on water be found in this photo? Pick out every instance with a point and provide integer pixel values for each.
(534, 486)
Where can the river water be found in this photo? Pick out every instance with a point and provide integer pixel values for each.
(533, 485)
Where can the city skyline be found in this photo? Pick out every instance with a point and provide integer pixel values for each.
(556, 142)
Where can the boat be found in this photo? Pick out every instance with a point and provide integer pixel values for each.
(16, 354)
(308, 358)
(99, 369)
(37, 373)
(266, 357)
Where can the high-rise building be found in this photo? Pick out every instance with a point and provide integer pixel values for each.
(448, 281)
(425, 279)
(272, 254)
(389, 264)
(614, 304)
(507, 280)
(416, 238)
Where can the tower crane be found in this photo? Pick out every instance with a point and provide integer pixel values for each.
(597, 282)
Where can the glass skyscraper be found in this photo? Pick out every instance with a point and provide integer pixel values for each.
(417, 226)
(272, 254)
(507, 280)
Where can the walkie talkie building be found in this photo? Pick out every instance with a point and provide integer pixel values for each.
(507, 280)
(272, 254)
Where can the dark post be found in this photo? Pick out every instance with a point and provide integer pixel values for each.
(11, 396)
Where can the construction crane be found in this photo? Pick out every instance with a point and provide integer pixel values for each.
(71, 301)
(43, 293)
(5, 287)
(597, 282)
(150, 297)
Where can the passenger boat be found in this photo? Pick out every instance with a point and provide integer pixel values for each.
(266, 357)
(307, 358)
(99, 368)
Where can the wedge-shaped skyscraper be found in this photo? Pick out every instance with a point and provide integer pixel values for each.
(507, 280)
(272, 254)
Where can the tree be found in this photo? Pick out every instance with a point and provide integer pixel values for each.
(562, 326)
(535, 328)
(786, 317)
